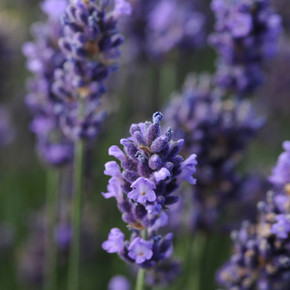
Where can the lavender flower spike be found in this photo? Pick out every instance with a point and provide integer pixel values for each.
(218, 131)
(150, 171)
(91, 45)
(262, 250)
(43, 58)
(246, 35)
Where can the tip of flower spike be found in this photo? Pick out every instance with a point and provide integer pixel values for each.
(157, 117)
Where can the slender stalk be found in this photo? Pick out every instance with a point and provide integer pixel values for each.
(50, 279)
(74, 259)
(141, 272)
(200, 244)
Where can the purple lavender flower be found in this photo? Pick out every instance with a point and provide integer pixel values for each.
(164, 274)
(261, 251)
(143, 190)
(282, 226)
(43, 58)
(119, 282)
(281, 172)
(91, 44)
(157, 28)
(115, 242)
(140, 250)
(218, 131)
(246, 34)
(151, 171)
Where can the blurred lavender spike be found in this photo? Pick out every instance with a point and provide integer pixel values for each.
(262, 250)
(158, 28)
(43, 58)
(246, 35)
(218, 131)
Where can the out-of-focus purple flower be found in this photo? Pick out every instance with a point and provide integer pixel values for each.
(114, 189)
(262, 250)
(54, 8)
(218, 131)
(140, 250)
(63, 235)
(282, 226)
(119, 282)
(151, 171)
(115, 241)
(281, 172)
(43, 58)
(246, 35)
(157, 28)
(164, 274)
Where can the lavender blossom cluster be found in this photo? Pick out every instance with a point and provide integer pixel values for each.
(246, 35)
(43, 58)
(218, 131)
(91, 44)
(262, 250)
(72, 55)
(157, 28)
(144, 187)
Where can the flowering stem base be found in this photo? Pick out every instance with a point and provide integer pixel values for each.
(51, 249)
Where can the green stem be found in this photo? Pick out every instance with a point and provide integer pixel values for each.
(200, 245)
(141, 272)
(50, 279)
(74, 259)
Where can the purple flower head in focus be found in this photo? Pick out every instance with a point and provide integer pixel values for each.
(150, 171)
